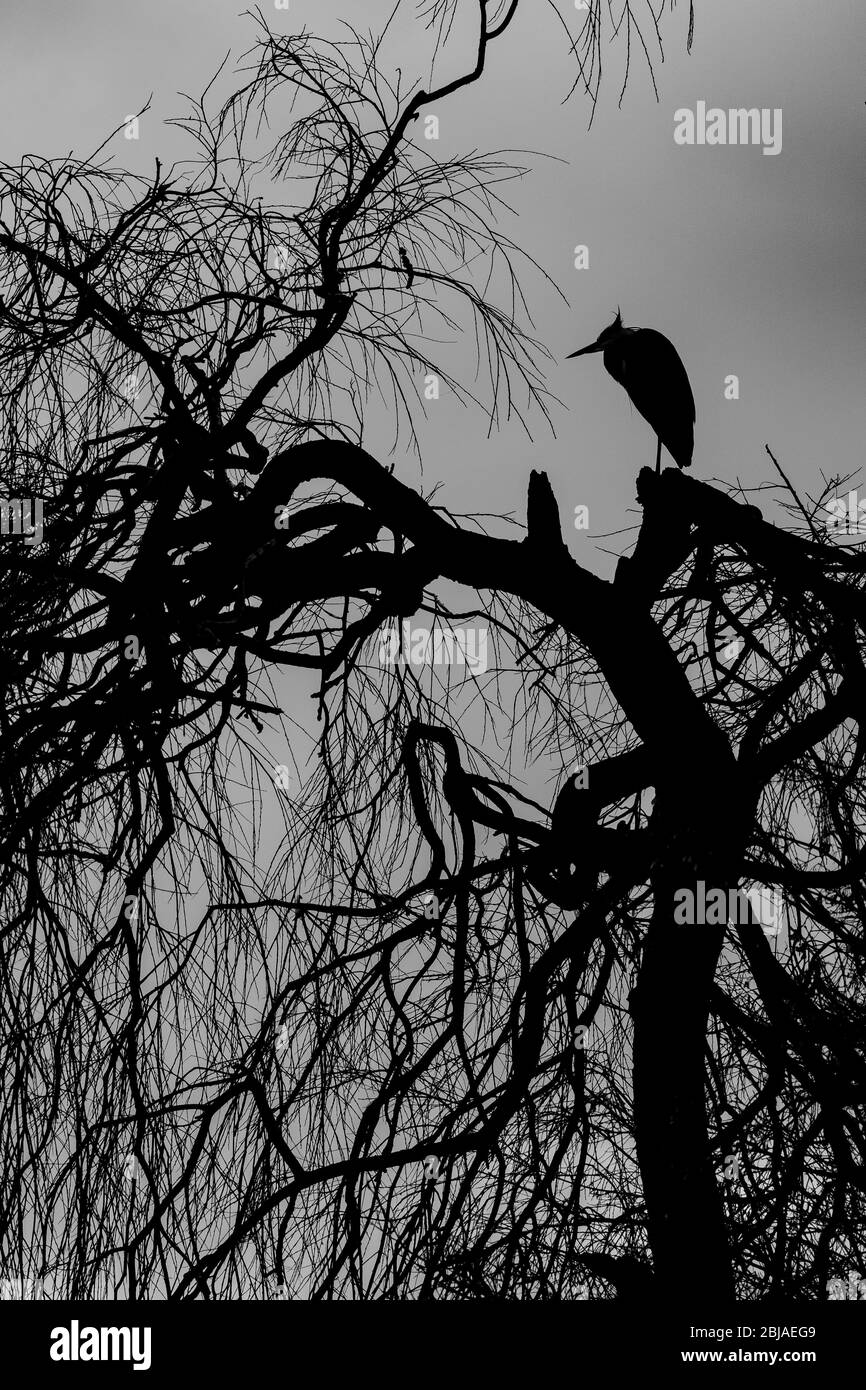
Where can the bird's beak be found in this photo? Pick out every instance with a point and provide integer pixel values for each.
(590, 347)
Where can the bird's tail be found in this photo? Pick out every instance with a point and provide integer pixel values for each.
(684, 447)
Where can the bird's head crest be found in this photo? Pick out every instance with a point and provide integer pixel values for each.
(614, 329)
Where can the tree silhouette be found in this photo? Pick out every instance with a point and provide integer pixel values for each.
(385, 1025)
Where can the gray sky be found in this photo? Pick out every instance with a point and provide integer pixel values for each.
(752, 264)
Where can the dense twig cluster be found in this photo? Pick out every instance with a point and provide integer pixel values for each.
(406, 1024)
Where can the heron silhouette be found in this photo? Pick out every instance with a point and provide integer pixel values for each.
(648, 365)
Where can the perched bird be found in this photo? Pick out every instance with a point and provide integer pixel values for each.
(574, 845)
(407, 266)
(648, 365)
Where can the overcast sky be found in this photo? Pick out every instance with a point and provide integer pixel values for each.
(752, 264)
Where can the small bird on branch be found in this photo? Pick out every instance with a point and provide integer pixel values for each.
(408, 267)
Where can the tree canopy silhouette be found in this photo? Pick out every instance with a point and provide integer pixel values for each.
(385, 1024)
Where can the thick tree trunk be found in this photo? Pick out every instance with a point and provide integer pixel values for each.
(685, 1216)
(700, 824)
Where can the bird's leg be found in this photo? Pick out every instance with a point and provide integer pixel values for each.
(659, 455)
